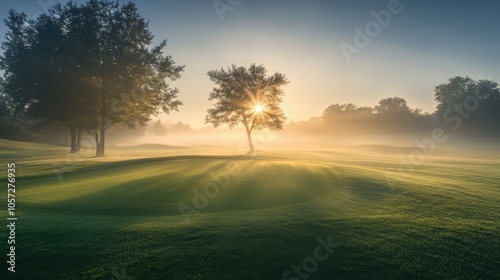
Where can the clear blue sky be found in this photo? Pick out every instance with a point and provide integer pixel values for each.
(422, 46)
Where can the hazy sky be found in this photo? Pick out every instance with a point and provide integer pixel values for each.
(423, 45)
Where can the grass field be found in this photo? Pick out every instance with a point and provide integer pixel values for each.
(119, 217)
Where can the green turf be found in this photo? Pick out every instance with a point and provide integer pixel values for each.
(119, 215)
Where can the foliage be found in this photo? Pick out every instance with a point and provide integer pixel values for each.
(242, 93)
(471, 105)
(391, 115)
(392, 106)
(88, 67)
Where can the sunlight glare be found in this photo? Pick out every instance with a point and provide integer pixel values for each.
(258, 108)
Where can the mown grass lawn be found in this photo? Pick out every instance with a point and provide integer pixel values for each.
(119, 217)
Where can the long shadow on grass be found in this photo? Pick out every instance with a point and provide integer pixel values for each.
(160, 195)
(367, 189)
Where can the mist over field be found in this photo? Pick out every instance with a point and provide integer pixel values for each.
(260, 140)
(210, 209)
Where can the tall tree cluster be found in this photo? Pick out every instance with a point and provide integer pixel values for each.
(87, 67)
(470, 105)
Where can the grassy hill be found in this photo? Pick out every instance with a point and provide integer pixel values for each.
(87, 218)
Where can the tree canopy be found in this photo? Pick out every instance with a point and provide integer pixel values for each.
(392, 105)
(473, 105)
(88, 67)
(247, 96)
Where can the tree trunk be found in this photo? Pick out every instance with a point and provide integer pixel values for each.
(97, 146)
(102, 142)
(78, 139)
(102, 128)
(100, 146)
(250, 142)
(73, 140)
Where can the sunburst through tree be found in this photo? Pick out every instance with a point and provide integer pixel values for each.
(258, 108)
(249, 97)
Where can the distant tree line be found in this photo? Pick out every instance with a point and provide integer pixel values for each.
(463, 104)
(93, 67)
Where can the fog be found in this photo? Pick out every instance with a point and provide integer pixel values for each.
(234, 141)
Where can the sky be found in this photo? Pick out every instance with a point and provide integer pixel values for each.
(422, 45)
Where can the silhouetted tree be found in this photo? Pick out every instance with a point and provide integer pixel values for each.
(346, 118)
(473, 105)
(247, 96)
(393, 115)
(392, 105)
(453, 93)
(41, 72)
(17, 63)
(129, 78)
(5, 104)
(89, 67)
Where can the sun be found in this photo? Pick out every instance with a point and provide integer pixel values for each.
(258, 108)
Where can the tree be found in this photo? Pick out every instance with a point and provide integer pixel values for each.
(249, 97)
(159, 129)
(40, 70)
(5, 105)
(346, 118)
(392, 105)
(128, 77)
(338, 112)
(59, 88)
(393, 115)
(450, 94)
(473, 104)
(88, 67)
(181, 127)
(17, 62)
